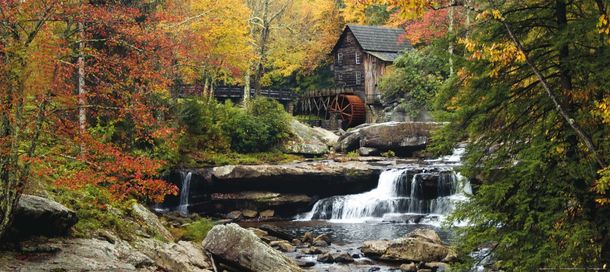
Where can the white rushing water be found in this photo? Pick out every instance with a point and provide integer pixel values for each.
(422, 194)
(183, 207)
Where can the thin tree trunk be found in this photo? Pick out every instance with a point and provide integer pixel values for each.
(564, 50)
(258, 73)
(9, 165)
(82, 99)
(246, 87)
(450, 30)
(206, 86)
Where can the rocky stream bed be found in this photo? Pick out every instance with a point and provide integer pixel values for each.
(365, 214)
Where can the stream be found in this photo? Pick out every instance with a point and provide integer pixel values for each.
(405, 199)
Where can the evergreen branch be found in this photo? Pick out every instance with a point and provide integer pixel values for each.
(583, 137)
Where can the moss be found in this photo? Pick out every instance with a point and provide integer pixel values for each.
(198, 230)
(96, 210)
(352, 155)
(389, 154)
(203, 159)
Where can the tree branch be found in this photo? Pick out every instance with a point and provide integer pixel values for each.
(583, 137)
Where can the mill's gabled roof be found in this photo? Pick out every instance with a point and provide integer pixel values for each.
(380, 39)
(382, 42)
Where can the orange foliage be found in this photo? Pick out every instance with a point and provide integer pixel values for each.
(128, 63)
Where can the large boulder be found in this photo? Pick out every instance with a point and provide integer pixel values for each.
(374, 249)
(149, 222)
(309, 141)
(181, 256)
(40, 216)
(418, 246)
(250, 202)
(236, 246)
(287, 189)
(403, 138)
(426, 235)
(414, 249)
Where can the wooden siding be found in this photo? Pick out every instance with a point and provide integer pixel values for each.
(374, 68)
(345, 73)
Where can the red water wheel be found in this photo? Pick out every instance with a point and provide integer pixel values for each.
(350, 109)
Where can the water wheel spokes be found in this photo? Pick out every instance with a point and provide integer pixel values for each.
(350, 109)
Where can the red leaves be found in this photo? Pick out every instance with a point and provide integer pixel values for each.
(123, 174)
(128, 62)
(432, 25)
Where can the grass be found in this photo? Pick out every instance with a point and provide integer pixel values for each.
(203, 159)
(198, 230)
(353, 155)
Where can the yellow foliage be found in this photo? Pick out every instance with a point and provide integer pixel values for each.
(603, 25)
(490, 14)
(602, 185)
(501, 54)
(303, 38)
(602, 109)
(216, 38)
(354, 10)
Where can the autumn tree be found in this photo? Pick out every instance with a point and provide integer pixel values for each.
(25, 59)
(215, 43)
(126, 57)
(44, 46)
(265, 17)
(307, 33)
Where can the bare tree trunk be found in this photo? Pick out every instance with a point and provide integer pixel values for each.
(205, 92)
(10, 193)
(246, 87)
(450, 30)
(264, 39)
(82, 99)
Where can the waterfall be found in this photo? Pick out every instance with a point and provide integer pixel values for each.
(410, 192)
(184, 193)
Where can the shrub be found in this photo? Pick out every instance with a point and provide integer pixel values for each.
(202, 118)
(262, 126)
(215, 130)
(96, 209)
(413, 82)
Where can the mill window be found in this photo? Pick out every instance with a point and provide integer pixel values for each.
(358, 78)
(339, 59)
(358, 58)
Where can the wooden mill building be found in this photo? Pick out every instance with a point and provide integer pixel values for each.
(361, 57)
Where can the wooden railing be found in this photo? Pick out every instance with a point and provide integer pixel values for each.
(235, 93)
(327, 92)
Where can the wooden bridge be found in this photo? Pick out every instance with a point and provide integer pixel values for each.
(326, 104)
(235, 94)
(333, 105)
